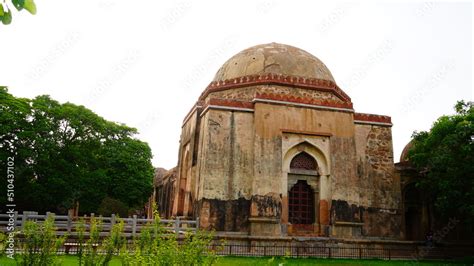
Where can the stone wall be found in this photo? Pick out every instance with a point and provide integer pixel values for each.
(226, 155)
(224, 215)
(344, 181)
(185, 181)
(379, 185)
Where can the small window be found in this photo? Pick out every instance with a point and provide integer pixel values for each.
(303, 161)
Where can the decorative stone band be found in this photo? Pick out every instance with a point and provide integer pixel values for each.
(230, 103)
(311, 133)
(227, 104)
(246, 106)
(270, 78)
(371, 119)
(344, 106)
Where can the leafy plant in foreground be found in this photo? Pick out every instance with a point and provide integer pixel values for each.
(40, 243)
(81, 231)
(91, 256)
(99, 251)
(158, 246)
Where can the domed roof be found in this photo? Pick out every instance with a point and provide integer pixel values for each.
(404, 154)
(274, 58)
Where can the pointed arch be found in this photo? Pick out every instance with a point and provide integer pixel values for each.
(309, 149)
(304, 161)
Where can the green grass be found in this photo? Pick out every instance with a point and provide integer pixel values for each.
(65, 260)
(252, 261)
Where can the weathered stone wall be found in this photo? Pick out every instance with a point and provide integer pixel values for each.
(379, 185)
(271, 120)
(189, 128)
(185, 173)
(224, 215)
(226, 155)
(164, 192)
(225, 170)
(344, 181)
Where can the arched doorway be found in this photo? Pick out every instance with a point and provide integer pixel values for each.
(413, 206)
(183, 181)
(301, 203)
(303, 197)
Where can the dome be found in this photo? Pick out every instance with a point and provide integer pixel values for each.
(404, 154)
(274, 58)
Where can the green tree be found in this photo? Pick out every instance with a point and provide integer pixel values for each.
(65, 153)
(445, 157)
(110, 206)
(6, 11)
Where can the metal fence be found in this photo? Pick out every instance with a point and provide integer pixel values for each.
(67, 225)
(302, 251)
(299, 250)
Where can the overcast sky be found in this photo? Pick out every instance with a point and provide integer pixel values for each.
(144, 63)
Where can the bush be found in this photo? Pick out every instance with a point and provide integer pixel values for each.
(3, 243)
(96, 251)
(81, 231)
(195, 250)
(114, 242)
(156, 246)
(40, 243)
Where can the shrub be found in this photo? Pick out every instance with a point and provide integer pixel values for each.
(195, 250)
(156, 246)
(91, 256)
(3, 243)
(40, 243)
(97, 251)
(81, 231)
(114, 242)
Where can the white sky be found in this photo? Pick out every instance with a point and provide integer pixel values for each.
(145, 63)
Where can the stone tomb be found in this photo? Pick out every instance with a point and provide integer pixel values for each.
(273, 147)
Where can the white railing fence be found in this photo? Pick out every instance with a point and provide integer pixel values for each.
(67, 224)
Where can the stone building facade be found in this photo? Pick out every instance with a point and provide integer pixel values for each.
(274, 147)
(164, 183)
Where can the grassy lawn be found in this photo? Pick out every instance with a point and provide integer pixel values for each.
(252, 261)
(243, 261)
(65, 260)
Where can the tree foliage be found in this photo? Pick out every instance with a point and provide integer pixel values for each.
(6, 10)
(110, 206)
(445, 156)
(65, 153)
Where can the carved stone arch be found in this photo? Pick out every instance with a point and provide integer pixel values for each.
(310, 149)
(303, 161)
(298, 184)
